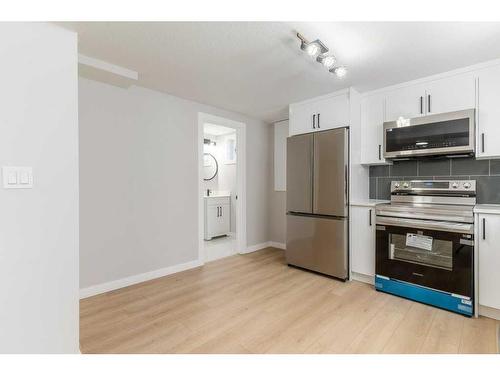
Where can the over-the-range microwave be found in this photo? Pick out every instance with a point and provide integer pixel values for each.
(451, 133)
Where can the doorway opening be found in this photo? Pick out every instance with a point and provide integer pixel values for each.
(222, 227)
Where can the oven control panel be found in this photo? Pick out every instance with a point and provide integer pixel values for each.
(435, 185)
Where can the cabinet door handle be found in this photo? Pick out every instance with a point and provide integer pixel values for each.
(421, 105)
(429, 103)
(314, 121)
(217, 211)
(370, 217)
(318, 120)
(221, 211)
(484, 228)
(379, 152)
(482, 142)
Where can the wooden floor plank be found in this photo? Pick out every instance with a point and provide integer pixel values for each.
(255, 303)
(479, 336)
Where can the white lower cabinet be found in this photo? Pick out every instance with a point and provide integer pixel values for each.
(489, 260)
(217, 216)
(363, 240)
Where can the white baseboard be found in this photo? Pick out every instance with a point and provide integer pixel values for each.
(363, 278)
(489, 312)
(278, 245)
(263, 245)
(135, 279)
(259, 246)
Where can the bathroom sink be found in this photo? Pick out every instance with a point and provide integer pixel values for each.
(218, 194)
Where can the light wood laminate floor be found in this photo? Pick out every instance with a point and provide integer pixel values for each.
(255, 303)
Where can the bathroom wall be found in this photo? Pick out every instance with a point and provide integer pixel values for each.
(212, 184)
(485, 172)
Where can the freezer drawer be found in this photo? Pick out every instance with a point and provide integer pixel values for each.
(318, 244)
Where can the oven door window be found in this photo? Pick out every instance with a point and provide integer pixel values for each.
(420, 249)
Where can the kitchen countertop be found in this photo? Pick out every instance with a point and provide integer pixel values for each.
(369, 202)
(487, 209)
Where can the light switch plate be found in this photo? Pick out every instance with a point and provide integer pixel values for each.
(17, 177)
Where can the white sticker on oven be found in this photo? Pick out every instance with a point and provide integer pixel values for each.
(419, 241)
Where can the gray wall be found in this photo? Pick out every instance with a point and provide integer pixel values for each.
(277, 204)
(139, 180)
(277, 216)
(39, 227)
(485, 172)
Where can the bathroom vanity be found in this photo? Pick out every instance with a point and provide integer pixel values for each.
(217, 215)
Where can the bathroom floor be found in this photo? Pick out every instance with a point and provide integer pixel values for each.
(220, 247)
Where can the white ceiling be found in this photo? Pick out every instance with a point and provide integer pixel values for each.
(217, 130)
(257, 68)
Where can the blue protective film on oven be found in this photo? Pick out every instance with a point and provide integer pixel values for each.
(425, 295)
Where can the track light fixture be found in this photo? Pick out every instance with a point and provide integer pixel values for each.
(318, 51)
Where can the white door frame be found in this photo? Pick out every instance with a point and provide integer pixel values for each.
(241, 209)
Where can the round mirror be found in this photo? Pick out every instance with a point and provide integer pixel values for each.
(210, 166)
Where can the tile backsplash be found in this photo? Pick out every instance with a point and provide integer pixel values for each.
(485, 172)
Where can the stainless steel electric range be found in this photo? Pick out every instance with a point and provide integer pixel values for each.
(425, 243)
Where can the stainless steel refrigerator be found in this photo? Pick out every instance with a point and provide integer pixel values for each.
(318, 202)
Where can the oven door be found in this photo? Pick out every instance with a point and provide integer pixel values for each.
(437, 259)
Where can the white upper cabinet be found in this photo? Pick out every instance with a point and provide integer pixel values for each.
(450, 94)
(321, 114)
(301, 118)
(407, 102)
(372, 136)
(332, 112)
(488, 116)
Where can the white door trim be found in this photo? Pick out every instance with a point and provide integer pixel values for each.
(241, 218)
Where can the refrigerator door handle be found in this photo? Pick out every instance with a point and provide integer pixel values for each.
(346, 184)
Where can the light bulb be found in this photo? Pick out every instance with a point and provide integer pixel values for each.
(312, 49)
(328, 62)
(340, 71)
